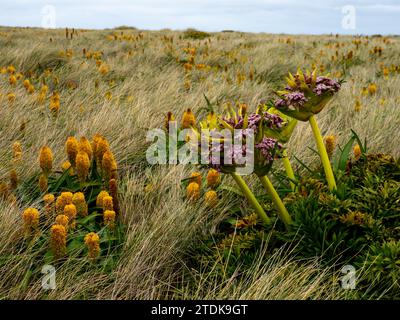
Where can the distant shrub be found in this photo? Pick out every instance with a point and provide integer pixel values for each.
(195, 34)
(123, 27)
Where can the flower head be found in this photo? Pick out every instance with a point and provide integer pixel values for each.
(63, 220)
(109, 218)
(46, 159)
(213, 178)
(71, 147)
(211, 198)
(330, 144)
(114, 194)
(64, 199)
(82, 163)
(58, 240)
(49, 202)
(109, 164)
(357, 152)
(108, 203)
(100, 198)
(85, 146)
(193, 191)
(188, 119)
(31, 220)
(70, 211)
(306, 94)
(92, 242)
(17, 151)
(169, 118)
(80, 203)
(196, 177)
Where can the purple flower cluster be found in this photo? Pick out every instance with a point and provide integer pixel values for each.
(254, 121)
(234, 154)
(273, 120)
(324, 85)
(267, 147)
(296, 99)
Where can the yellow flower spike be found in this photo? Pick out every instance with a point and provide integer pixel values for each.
(92, 242)
(58, 240)
(357, 106)
(31, 220)
(44, 89)
(212, 120)
(62, 220)
(193, 191)
(71, 146)
(372, 88)
(43, 183)
(330, 144)
(196, 177)
(357, 152)
(82, 164)
(66, 165)
(108, 203)
(11, 69)
(109, 219)
(71, 212)
(80, 203)
(169, 118)
(12, 80)
(109, 165)
(17, 151)
(46, 159)
(104, 69)
(100, 198)
(213, 178)
(101, 147)
(49, 202)
(11, 97)
(31, 89)
(54, 106)
(64, 199)
(26, 84)
(188, 119)
(211, 198)
(114, 194)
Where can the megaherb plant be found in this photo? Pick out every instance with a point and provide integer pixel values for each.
(79, 213)
(357, 225)
(305, 96)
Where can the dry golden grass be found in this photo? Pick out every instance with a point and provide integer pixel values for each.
(146, 79)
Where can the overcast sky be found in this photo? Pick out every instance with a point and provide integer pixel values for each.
(276, 16)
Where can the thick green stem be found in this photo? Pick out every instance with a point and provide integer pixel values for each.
(323, 154)
(289, 170)
(283, 213)
(251, 198)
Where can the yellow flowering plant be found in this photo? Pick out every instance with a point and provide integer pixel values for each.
(80, 213)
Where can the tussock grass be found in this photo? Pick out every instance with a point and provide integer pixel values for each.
(161, 226)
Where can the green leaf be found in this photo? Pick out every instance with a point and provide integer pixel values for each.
(232, 189)
(344, 156)
(75, 245)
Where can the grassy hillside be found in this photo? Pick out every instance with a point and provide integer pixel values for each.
(121, 83)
